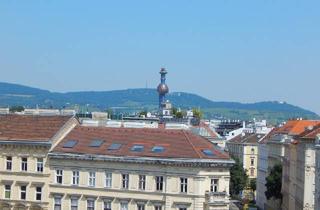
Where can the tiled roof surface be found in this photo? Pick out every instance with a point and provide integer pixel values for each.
(176, 143)
(312, 133)
(296, 127)
(30, 127)
(249, 138)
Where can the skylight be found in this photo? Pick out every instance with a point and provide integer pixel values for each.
(70, 143)
(158, 149)
(96, 143)
(207, 152)
(137, 148)
(114, 146)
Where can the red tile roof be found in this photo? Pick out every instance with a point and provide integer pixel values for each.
(248, 138)
(312, 133)
(177, 143)
(295, 127)
(30, 127)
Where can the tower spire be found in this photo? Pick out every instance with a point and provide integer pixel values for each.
(162, 89)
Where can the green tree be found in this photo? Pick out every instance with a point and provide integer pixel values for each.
(174, 111)
(274, 183)
(239, 178)
(13, 109)
(179, 115)
(143, 113)
(253, 184)
(197, 113)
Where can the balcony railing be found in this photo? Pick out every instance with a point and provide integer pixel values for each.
(217, 198)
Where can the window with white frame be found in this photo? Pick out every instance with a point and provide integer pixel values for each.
(157, 207)
(74, 203)
(59, 176)
(159, 183)
(183, 185)
(123, 206)
(142, 182)
(252, 161)
(92, 179)
(251, 171)
(57, 203)
(23, 192)
(75, 177)
(24, 164)
(125, 181)
(7, 191)
(140, 206)
(39, 164)
(90, 204)
(9, 163)
(38, 193)
(106, 205)
(108, 179)
(214, 185)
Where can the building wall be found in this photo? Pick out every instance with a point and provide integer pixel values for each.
(198, 184)
(30, 178)
(261, 176)
(317, 177)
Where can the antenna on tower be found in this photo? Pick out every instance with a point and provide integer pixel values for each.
(146, 84)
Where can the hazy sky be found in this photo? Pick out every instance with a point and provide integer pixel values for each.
(225, 50)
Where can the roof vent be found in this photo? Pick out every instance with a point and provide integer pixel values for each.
(207, 152)
(157, 149)
(96, 143)
(137, 148)
(70, 144)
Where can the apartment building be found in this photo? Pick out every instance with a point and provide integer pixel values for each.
(273, 149)
(299, 171)
(24, 171)
(52, 162)
(245, 148)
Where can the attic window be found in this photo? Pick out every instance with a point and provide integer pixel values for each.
(207, 152)
(96, 143)
(114, 146)
(137, 148)
(158, 149)
(70, 143)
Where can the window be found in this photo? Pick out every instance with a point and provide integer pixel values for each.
(70, 144)
(90, 204)
(24, 164)
(59, 175)
(184, 185)
(92, 179)
(106, 205)
(252, 151)
(157, 207)
(74, 203)
(123, 206)
(142, 182)
(252, 162)
(57, 203)
(7, 191)
(251, 171)
(38, 193)
(159, 183)
(125, 181)
(39, 164)
(214, 185)
(9, 163)
(23, 192)
(108, 177)
(75, 177)
(140, 206)
(183, 208)
(158, 149)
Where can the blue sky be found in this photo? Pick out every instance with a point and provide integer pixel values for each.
(225, 50)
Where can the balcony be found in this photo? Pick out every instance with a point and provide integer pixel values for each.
(217, 198)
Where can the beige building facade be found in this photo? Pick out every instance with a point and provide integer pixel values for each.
(56, 163)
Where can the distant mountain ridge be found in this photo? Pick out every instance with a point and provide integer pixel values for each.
(14, 94)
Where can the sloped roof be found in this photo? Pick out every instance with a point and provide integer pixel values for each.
(296, 127)
(247, 138)
(312, 133)
(15, 127)
(176, 143)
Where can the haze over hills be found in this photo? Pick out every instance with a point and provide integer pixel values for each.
(147, 99)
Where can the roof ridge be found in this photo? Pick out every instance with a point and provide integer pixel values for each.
(194, 148)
